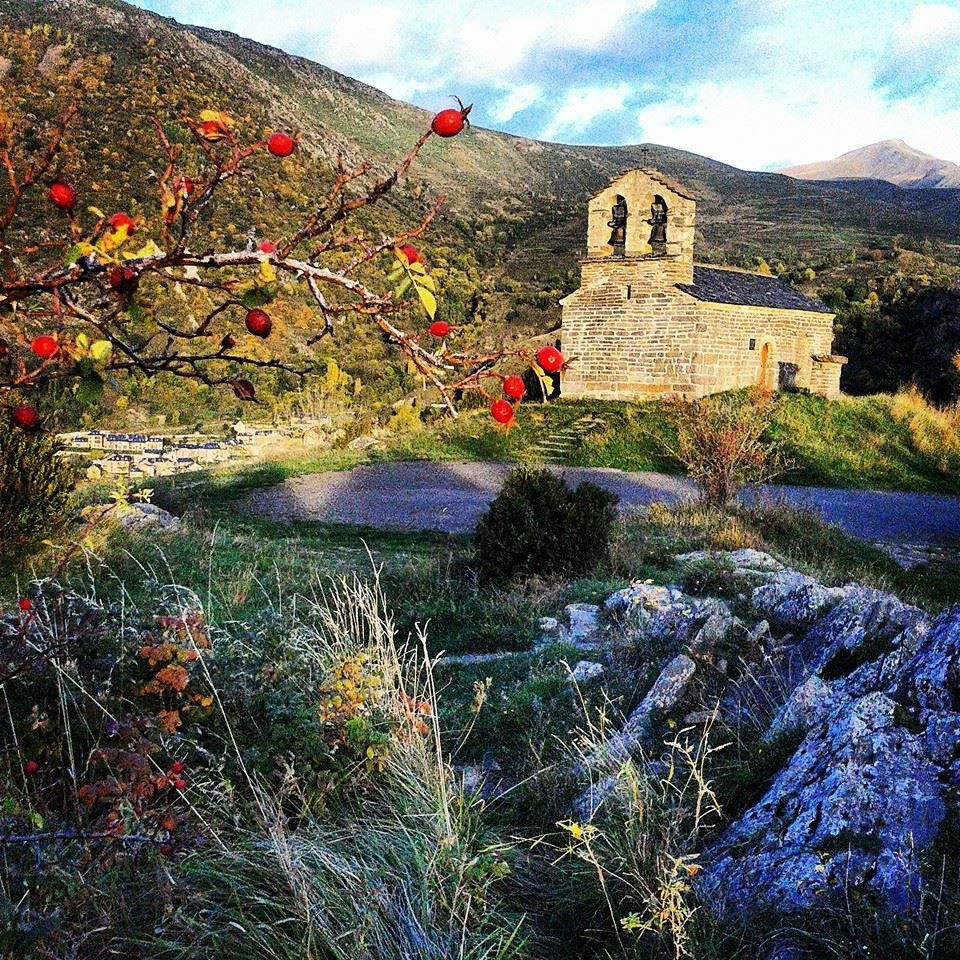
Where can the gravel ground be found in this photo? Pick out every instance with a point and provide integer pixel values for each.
(451, 497)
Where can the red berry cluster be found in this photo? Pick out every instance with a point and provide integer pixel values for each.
(549, 359)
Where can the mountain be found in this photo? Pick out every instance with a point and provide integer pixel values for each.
(891, 160)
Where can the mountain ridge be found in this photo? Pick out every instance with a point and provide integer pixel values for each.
(892, 160)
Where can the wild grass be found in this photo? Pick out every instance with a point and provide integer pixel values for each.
(388, 859)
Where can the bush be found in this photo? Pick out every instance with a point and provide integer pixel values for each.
(721, 442)
(35, 488)
(538, 526)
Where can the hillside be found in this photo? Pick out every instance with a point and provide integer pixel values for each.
(485, 171)
(893, 161)
(505, 246)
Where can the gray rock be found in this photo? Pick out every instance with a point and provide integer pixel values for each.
(743, 560)
(663, 696)
(930, 676)
(138, 515)
(584, 621)
(549, 625)
(716, 629)
(792, 600)
(363, 443)
(585, 671)
(864, 627)
(643, 597)
(851, 811)
(809, 704)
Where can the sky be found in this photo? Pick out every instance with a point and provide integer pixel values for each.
(760, 84)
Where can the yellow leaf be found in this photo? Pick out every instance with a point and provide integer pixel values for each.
(97, 212)
(216, 116)
(428, 300)
(83, 341)
(149, 249)
(266, 274)
(428, 282)
(418, 267)
(101, 349)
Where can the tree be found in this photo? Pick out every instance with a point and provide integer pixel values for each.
(87, 296)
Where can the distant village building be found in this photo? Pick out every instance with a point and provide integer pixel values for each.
(647, 322)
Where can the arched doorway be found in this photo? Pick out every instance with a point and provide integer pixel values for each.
(765, 374)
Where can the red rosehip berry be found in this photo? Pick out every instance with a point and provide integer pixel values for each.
(119, 220)
(124, 279)
(439, 328)
(281, 144)
(180, 783)
(501, 411)
(177, 766)
(514, 387)
(25, 417)
(267, 246)
(448, 123)
(44, 346)
(184, 184)
(259, 323)
(4, 349)
(411, 253)
(24, 604)
(31, 767)
(166, 849)
(62, 195)
(550, 359)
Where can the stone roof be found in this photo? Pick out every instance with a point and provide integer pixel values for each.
(654, 175)
(716, 285)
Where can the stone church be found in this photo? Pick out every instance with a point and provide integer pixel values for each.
(647, 321)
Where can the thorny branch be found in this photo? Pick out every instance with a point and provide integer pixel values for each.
(94, 286)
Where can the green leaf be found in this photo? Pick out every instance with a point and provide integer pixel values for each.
(260, 296)
(77, 251)
(395, 275)
(404, 286)
(89, 388)
(100, 349)
(428, 300)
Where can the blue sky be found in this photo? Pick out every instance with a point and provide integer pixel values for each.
(756, 83)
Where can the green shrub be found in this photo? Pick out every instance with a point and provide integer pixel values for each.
(35, 488)
(538, 526)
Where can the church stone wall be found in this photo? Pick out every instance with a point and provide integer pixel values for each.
(727, 362)
(629, 348)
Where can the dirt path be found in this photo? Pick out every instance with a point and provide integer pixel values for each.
(451, 497)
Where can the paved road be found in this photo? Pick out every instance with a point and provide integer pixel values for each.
(451, 497)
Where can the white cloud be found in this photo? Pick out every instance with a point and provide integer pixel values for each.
(929, 24)
(515, 101)
(788, 123)
(580, 106)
